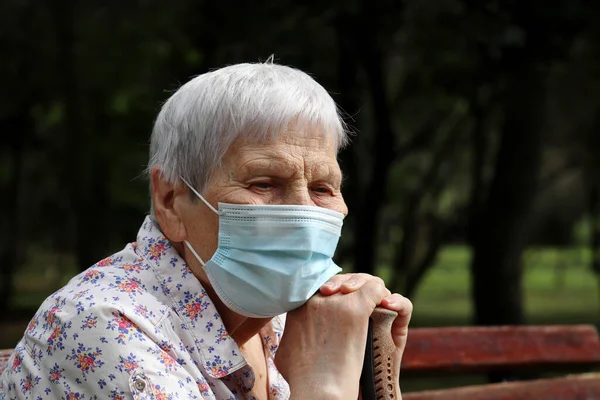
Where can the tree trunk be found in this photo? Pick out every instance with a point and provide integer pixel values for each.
(479, 150)
(382, 151)
(406, 264)
(85, 174)
(594, 215)
(18, 129)
(349, 101)
(417, 273)
(12, 248)
(593, 210)
(404, 257)
(500, 231)
(73, 169)
(94, 208)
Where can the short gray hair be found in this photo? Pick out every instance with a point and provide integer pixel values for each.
(256, 101)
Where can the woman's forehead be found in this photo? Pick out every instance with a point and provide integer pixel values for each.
(289, 154)
(310, 139)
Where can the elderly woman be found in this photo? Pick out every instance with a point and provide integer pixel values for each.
(246, 215)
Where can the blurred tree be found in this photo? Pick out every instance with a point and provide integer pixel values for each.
(447, 99)
(530, 39)
(19, 138)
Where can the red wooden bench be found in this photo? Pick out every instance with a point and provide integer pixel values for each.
(542, 349)
(439, 351)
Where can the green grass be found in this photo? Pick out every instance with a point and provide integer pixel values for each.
(559, 288)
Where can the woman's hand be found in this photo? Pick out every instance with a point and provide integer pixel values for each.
(348, 283)
(323, 346)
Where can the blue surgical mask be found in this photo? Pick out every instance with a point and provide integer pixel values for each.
(271, 258)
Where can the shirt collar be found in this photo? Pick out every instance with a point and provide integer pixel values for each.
(219, 353)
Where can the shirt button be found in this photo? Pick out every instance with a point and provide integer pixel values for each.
(139, 384)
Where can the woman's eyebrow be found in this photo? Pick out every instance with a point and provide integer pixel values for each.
(331, 173)
(268, 166)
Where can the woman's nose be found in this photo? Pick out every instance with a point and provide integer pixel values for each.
(299, 196)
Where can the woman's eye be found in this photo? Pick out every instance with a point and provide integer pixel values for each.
(262, 185)
(322, 190)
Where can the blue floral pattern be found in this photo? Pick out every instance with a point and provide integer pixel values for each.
(135, 325)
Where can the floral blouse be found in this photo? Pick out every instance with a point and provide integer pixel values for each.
(136, 325)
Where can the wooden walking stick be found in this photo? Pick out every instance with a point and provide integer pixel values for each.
(381, 367)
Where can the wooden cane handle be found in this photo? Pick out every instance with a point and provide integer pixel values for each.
(381, 368)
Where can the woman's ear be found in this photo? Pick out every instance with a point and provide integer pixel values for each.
(166, 202)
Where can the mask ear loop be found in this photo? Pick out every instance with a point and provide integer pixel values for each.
(189, 246)
(200, 196)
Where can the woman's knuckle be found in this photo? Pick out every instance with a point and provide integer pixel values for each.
(364, 276)
(379, 281)
(409, 305)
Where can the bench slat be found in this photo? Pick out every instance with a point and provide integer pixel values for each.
(482, 349)
(580, 387)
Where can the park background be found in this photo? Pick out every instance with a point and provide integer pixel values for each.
(472, 177)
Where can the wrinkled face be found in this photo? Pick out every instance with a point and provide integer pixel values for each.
(298, 168)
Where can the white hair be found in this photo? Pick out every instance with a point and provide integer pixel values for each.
(253, 101)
